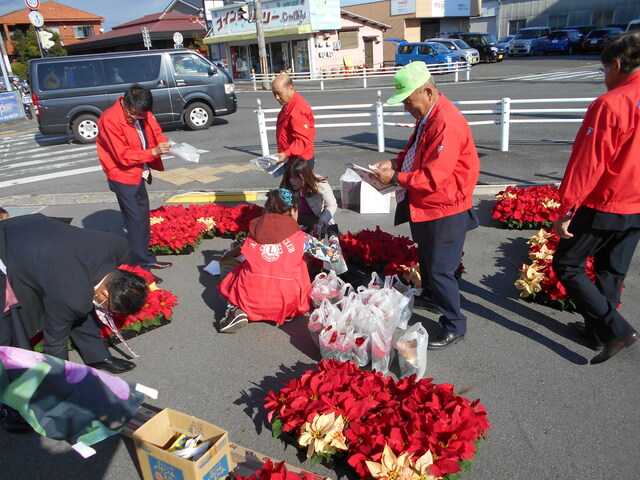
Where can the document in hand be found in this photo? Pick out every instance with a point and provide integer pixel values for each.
(185, 152)
(269, 164)
(368, 175)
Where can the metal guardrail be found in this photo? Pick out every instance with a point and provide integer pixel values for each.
(502, 111)
(365, 74)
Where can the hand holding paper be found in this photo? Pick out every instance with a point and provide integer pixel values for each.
(184, 151)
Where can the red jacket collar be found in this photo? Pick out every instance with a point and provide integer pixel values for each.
(272, 228)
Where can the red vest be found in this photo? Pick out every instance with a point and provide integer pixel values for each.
(273, 282)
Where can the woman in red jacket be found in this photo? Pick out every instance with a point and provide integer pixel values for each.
(273, 282)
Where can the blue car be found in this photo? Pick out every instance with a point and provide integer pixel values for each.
(566, 41)
(431, 53)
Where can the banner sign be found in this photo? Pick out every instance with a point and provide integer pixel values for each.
(450, 8)
(403, 7)
(10, 106)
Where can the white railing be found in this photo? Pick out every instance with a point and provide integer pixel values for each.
(364, 74)
(375, 115)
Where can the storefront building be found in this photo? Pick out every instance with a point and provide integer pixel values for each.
(300, 36)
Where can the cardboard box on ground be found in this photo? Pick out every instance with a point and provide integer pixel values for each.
(240, 460)
(230, 260)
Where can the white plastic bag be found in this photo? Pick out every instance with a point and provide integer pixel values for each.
(270, 164)
(381, 343)
(322, 316)
(327, 286)
(184, 151)
(412, 351)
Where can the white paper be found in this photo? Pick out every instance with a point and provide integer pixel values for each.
(84, 450)
(269, 164)
(213, 268)
(365, 175)
(184, 151)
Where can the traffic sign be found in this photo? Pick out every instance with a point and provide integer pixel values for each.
(32, 4)
(177, 38)
(36, 18)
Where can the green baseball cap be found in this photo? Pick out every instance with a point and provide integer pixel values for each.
(408, 79)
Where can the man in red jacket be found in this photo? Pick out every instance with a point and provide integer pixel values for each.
(295, 127)
(130, 142)
(438, 171)
(600, 202)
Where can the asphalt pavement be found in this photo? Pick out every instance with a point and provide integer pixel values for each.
(553, 415)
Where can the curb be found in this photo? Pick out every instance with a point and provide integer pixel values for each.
(187, 197)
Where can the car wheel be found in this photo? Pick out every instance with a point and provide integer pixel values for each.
(570, 51)
(85, 128)
(198, 116)
(486, 58)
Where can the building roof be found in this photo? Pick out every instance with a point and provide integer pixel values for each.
(364, 19)
(161, 26)
(53, 12)
(196, 4)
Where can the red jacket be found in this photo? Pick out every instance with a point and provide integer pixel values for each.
(120, 149)
(446, 166)
(273, 282)
(603, 172)
(295, 129)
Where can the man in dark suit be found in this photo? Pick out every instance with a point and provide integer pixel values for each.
(59, 274)
(130, 143)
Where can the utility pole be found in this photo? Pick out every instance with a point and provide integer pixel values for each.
(262, 49)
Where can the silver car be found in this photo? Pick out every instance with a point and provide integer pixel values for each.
(469, 54)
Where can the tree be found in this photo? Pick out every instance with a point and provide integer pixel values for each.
(25, 45)
(198, 44)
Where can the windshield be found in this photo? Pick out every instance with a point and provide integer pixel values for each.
(461, 44)
(507, 39)
(439, 48)
(558, 35)
(526, 34)
(598, 33)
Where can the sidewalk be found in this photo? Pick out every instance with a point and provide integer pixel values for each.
(544, 401)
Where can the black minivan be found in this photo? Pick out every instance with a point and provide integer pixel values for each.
(485, 43)
(70, 93)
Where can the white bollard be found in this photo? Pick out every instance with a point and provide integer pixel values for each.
(253, 81)
(364, 77)
(505, 116)
(457, 67)
(262, 128)
(380, 122)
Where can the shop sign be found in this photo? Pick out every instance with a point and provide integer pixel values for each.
(403, 7)
(450, 8)
(278, 15)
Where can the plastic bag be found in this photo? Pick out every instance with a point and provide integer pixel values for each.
(412, 351)
(270, 164)
(184, 151)
(350, 176)
(322, 316)
(381, 343)
(328, 342)
(409, 293)
(327, 286)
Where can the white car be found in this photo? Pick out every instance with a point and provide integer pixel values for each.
(506, 41)
(469, 54)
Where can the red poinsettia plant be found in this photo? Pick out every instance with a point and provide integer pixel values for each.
(158, 307)
(176, 229)
(269, 471)
(538, 281)
(339, 409)
(531, 207)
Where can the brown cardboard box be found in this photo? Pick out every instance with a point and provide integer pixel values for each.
(229, 261)
(159, 464)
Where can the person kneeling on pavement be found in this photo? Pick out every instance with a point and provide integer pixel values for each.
(273, 282)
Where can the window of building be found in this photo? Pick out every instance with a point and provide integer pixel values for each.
(348, 39)
(515, 25)
(83, 32)
(603, 18)
(54, 29)
(557, 21)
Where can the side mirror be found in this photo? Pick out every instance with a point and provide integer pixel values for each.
(212, 70)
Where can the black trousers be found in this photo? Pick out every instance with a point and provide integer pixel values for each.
(440, 244)
(612, 240)
(134, 206)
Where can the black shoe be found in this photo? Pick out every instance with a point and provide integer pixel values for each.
(13, 421)
(443, 339)
(593, 342)
(160, 265)
(613, 346)
(233, 320)
(114, 365)
(422, 303)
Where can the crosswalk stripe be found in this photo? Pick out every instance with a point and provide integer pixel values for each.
(48, 176)
(54, 161)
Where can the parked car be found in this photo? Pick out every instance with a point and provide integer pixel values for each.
(529, 41)
(468, 54)
(70, 93)
(431, 53)
(563, 41)
(21, 80)
(634, 25)
(583, 29)
(505, 42)
(485, 43)
(598, 38)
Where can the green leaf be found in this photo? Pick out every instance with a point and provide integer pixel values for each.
(316, 459)
(136, 326)
(276, 427)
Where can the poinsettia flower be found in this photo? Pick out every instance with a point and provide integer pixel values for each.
(318, 433)
(529, 281)
(391, 467)
(422, 466)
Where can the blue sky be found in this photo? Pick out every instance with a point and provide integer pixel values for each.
(116, 12)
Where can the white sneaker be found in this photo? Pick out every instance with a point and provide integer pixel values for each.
(233, 320)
